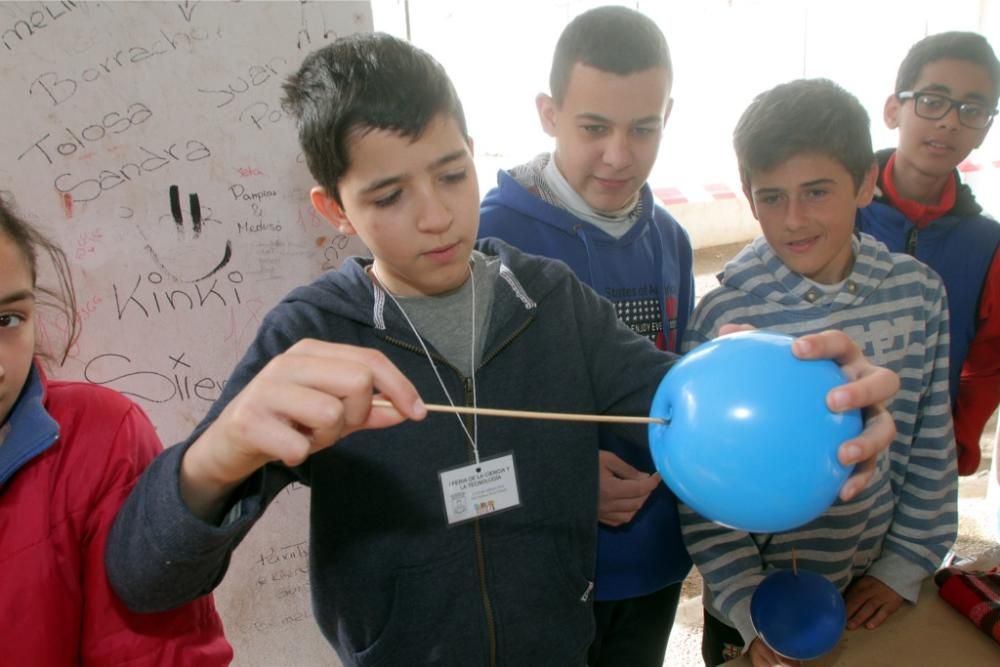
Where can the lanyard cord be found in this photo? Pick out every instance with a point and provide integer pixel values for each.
(474, 436)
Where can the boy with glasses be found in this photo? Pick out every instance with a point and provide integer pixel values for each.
(944, 104)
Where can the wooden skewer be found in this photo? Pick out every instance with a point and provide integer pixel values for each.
(526, 414)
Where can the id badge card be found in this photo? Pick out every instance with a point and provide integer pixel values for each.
(477, 490)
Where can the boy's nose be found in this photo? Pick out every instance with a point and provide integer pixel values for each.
(434, 215)
(950, 119)
(794, 215)
(618, 151)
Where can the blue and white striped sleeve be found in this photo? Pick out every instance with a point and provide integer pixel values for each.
(924, 474)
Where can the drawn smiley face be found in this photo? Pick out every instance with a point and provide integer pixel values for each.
(175, 244)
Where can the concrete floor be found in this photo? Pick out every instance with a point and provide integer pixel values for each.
(977, 522)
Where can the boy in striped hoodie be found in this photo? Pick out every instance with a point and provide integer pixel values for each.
(806, 164)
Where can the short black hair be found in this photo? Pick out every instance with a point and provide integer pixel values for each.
(361, 83)
(804, 116)
(612, 39)
(956, 45)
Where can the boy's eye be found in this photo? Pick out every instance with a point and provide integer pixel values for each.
(815, 193)
(931, 102)
(595, 129)
(10, 320)
(389, 199)
(644, 131)
(455, 176)
(767, 200)
(973, 110)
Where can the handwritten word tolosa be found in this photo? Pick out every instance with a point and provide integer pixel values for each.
(137, 113)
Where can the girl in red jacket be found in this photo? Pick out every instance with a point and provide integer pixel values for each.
(69, 454)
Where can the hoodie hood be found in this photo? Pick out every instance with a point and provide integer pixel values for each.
(757, 270)
(513, 193)
(597, 257)
(349, 294)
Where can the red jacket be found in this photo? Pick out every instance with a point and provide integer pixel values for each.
(70, 455)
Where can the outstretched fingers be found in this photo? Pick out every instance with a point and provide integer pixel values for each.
(870, 388)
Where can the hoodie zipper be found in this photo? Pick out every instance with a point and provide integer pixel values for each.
(477, 528)
(481, 551)
(911, 242)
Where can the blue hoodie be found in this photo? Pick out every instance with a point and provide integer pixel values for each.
(392, 583)
(647, 275)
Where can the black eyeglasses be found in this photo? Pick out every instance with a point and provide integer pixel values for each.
(934, 106)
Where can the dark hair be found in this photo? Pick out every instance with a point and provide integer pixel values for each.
(31, 243)
(969, 46)
(612, 39)
(804, 116)
(362, 83)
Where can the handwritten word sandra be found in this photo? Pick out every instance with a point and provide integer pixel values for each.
(35, 22)
(148, 297)
(117, 372)
(111, 123)
(89, 189)
(257, 75)
(61, 87)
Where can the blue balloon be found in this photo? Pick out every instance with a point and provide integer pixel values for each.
(750, 442)
(800, 615)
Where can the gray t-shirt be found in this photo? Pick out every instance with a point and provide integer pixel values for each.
(444, 321)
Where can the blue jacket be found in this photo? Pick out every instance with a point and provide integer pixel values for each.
(392, 583)
(959, 246)
(647, 275)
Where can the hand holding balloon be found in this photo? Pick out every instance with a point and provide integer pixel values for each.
(750, 441)
(871, 388)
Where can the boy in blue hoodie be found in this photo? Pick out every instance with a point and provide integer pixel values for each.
(588, 204)
(806, 164)
(434, 539)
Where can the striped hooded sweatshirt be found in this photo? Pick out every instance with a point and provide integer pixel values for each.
(901, 526)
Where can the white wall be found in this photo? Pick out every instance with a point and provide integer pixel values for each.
(724, 53)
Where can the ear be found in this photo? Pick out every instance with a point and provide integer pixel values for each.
(890, 113)
(333, 212)
(867, 190)
(547, 113)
